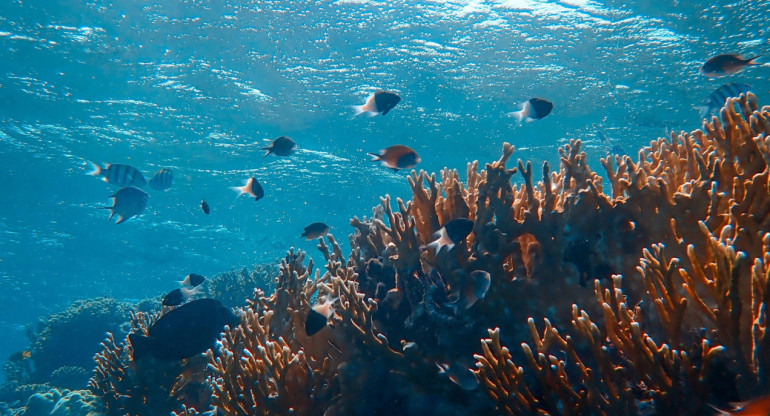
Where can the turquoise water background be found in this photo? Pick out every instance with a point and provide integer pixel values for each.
(200, 86)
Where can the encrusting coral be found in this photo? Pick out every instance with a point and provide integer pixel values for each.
(647, 298)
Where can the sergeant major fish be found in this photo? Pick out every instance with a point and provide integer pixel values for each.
(397, 157)
(162, 179)
(282, 146)
(127, 202)
(717, 99)
(117, 174)
(726, 64)
(185, 331)
(381, 102)
(252, 188)
(531, 110)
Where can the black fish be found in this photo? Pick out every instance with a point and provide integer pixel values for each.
(185, 331)
(252, 188)
(192, 280)
(120, 175)
(315, 230)
(282, 146)
(532, 109)
(162, 180)
(318, 316)
(717, 99)
(205, 207)
(378, 103)
(127, 202)
(178, 296)
(452, 233)
(397, 157)
(726, 64)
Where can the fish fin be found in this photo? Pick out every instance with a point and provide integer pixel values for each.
(385, 112)
(519, 115)
(359, 109)
(267, 152)
(722, 412)
(750, 61)
(120, 218)
(703, 110)
(141, 345)
(239, 189)
(375, 157)
(96, 170)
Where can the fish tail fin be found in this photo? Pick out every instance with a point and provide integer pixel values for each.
(359, 109)
(141, 345)
(240, 189)
(268, 150)
(751, 60)
(519, 115)
(702, 109)
(375, 157)
(721, 412)
(120, 218)
(96, 170)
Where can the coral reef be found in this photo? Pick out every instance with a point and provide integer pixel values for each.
(644, 298)
(234, 287)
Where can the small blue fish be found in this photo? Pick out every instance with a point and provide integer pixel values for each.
(716, 100)
(127, 202)
(162, 180)
(117, 174)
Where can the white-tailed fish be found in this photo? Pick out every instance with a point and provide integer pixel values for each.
(252, 188)
(451, 234)
(318, 316)
(117, 174)
(127, 202)
(531, 110)
(178, 296)
(397, 157)
(162, 179)
(378, 103)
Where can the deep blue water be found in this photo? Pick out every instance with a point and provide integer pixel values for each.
(199, 86)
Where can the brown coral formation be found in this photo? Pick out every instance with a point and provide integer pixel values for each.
(652, 293)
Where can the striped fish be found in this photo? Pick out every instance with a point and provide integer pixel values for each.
(117, 174)
(717, 99)
(162, 180)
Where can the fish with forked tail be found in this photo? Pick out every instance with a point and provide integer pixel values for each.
(531, 110)
(315, 230)
(381, 102)
(127, 202)
(397, 157)
(726, 64)
(282, 146)
(454, 232)
(252, 188)
(162, 179)
(117, 174)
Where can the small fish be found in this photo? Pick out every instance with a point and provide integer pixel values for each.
(318, 316)
(178, 296)
(162, 180)
(452, 233)
(759, 406)
(612, 148)
(460, 375)
(205, 206)
(127, 202)
(474, 287)
(282, 146)
(192, 280)
(531, 110)
(20, 356)
(117, 174)
(252, 188)
(185, 331)
(727, 64)
(717, 99)
(315, 230)
(378, 103)
(397, 157)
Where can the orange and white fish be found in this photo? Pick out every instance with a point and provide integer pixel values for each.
(319, 315)
(451, 234)
(397, 157)
(378, 103)
(252, 188)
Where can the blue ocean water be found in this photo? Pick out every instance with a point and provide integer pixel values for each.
(200, 86)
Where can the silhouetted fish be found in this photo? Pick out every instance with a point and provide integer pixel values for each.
(378, 103)
(127, 202)
(185, 331)
(727, 64)
(205, 206)
(315, 230)
(531, 110)
(178, 296)
(192, 280)
(318, 316)
(117, 174)
(474, 287)
(162, 180)
(452, 233)
(717, 99)
(397, 157)
(282, 146)
(612, 148)
(252, 188)
(460, 375)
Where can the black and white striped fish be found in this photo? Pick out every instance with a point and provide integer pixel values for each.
(162, 180)
(717, 99)
(117, 174)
